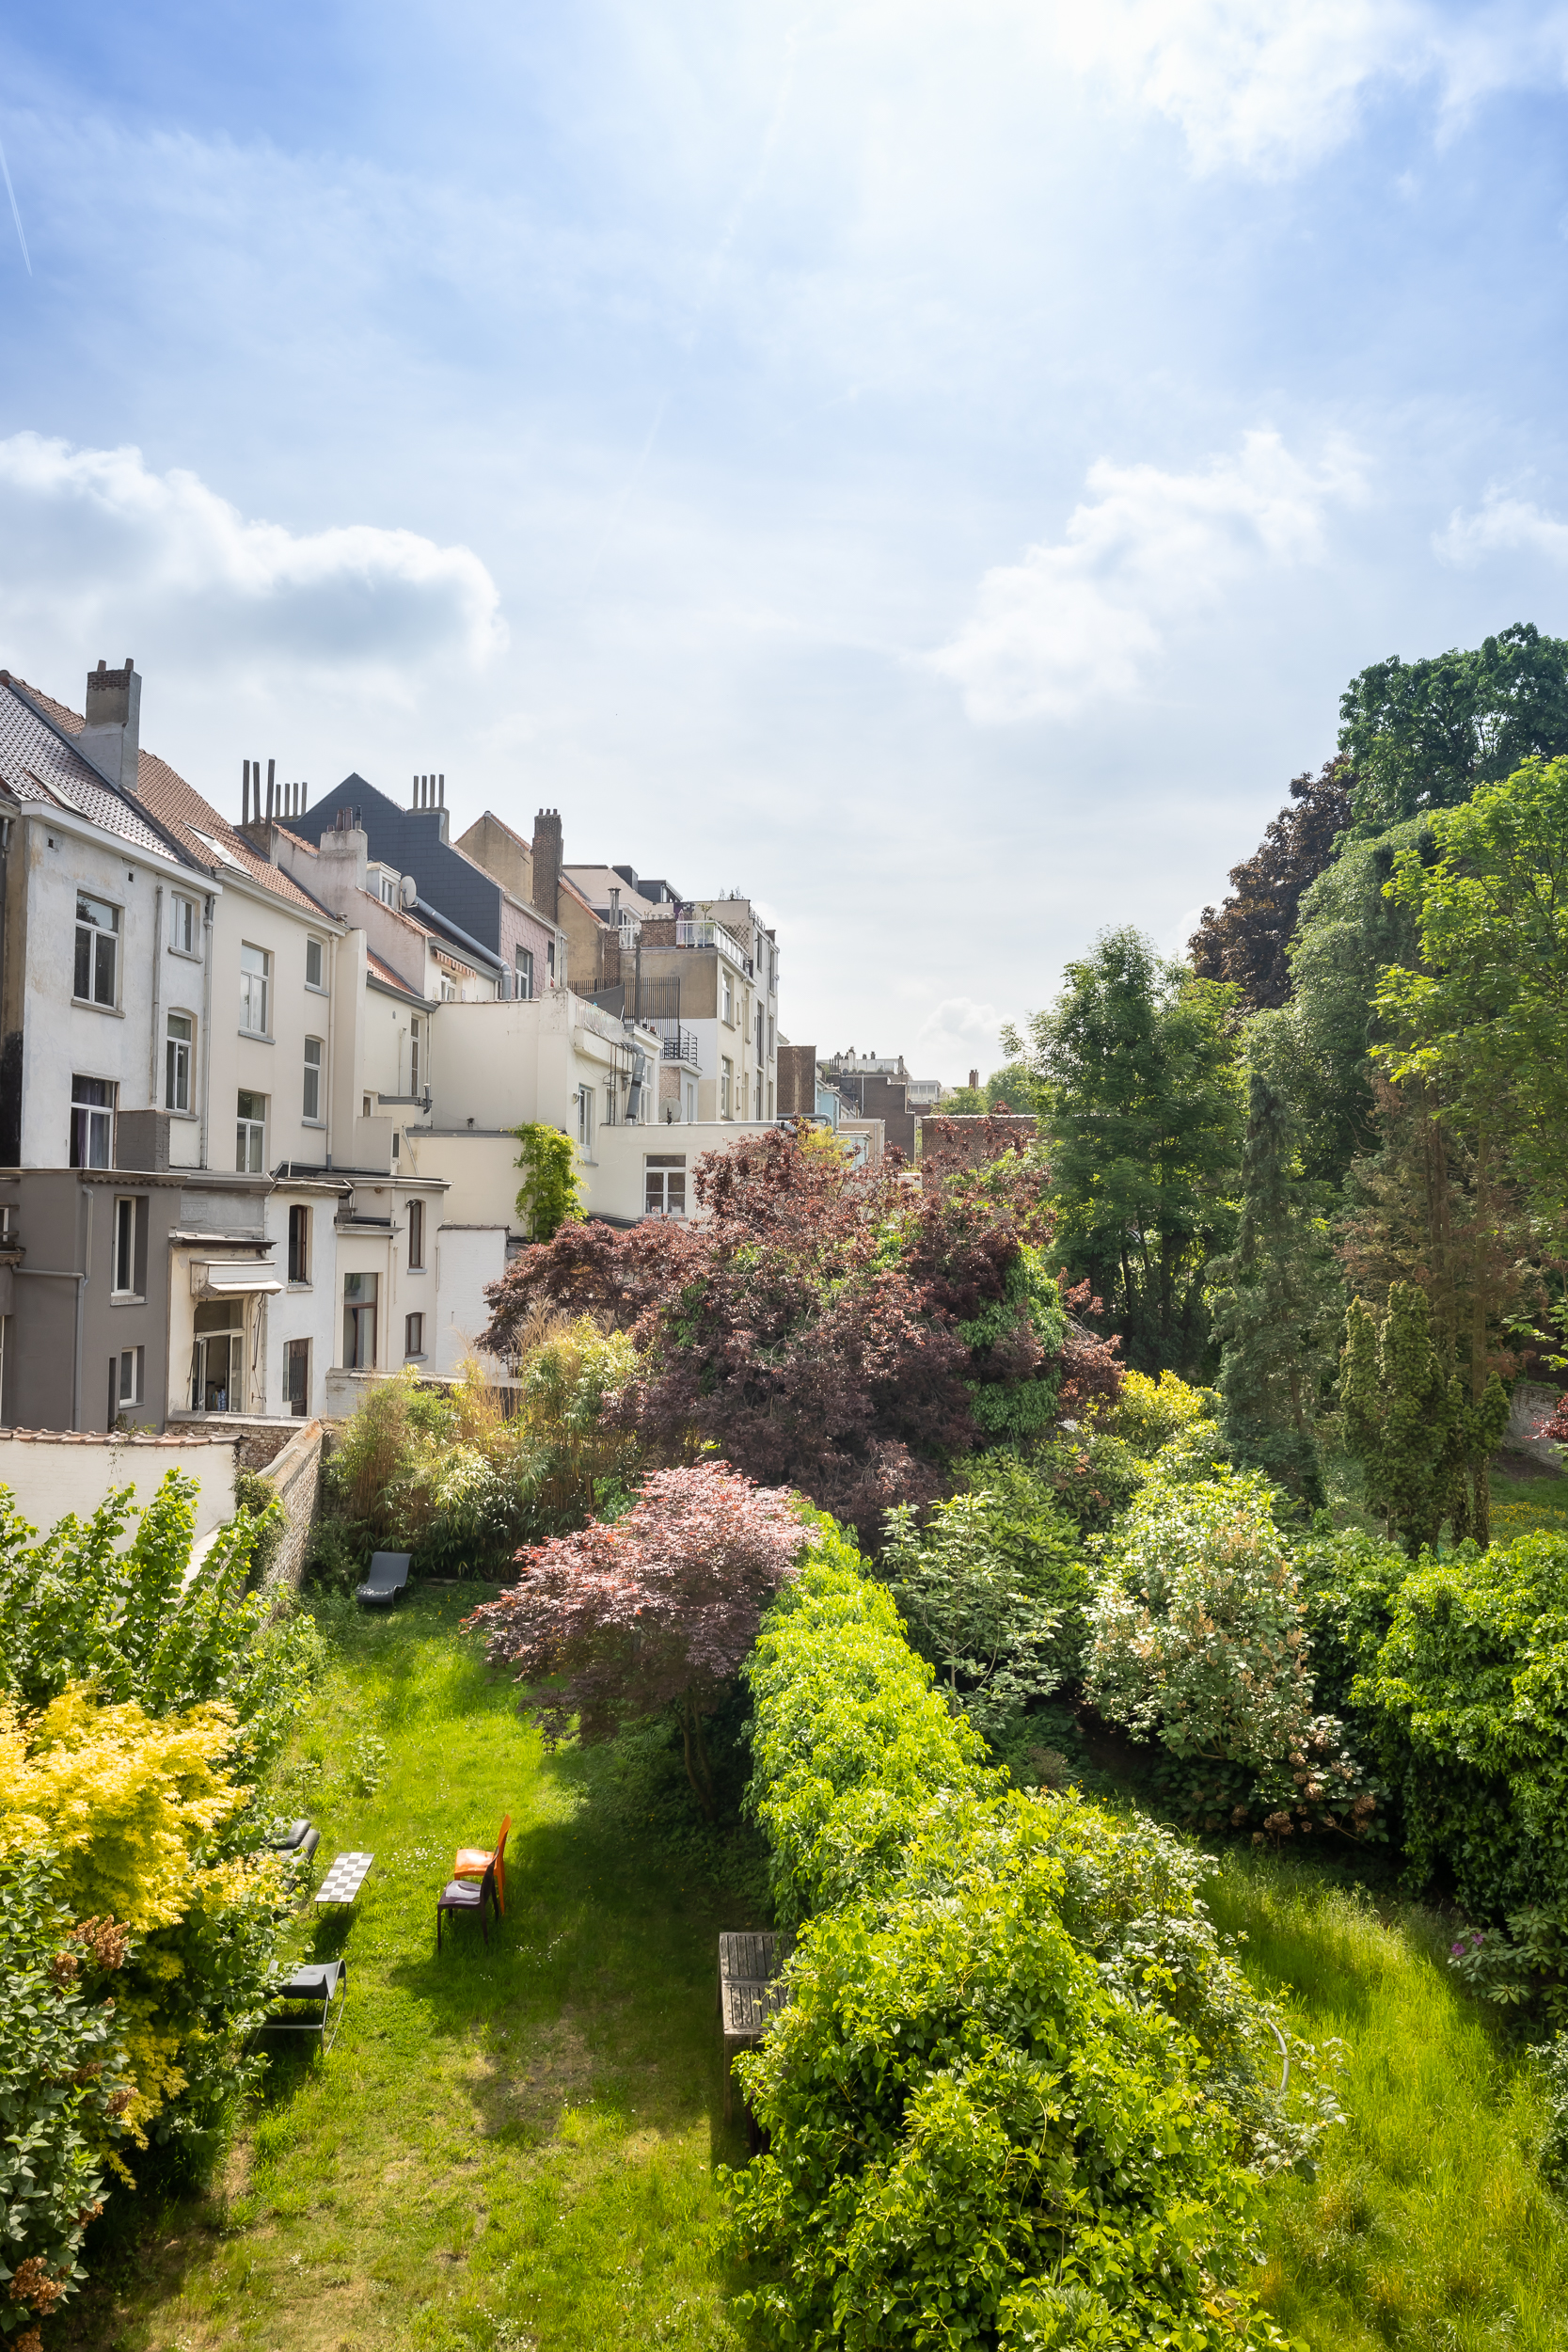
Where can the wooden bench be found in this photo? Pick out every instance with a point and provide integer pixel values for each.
(750, 1994)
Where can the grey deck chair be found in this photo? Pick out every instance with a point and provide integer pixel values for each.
(388, 1578)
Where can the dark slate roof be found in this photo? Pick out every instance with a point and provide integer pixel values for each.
(409, 840)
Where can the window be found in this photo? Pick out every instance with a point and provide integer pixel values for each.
(413, 1336)
(389, 890)
(609, 1103)
(250, 1126)
(690, 1104)
(525, 972)
(217, 1358)
(664, 1186)
(772, 1038)
(727, 1006)
(549, 959)
(300, 1244)
(97, 950)
(758, 1111)
(313, 1080)
(185, 927)
(125, 1380)
(359, 1304)
(130, 1268)
(416, 1236)
(255, 964)
(414, 1057)
(585, 1117)
(297, 1377)
(313, 965)
(364, 1106)
(727, 1079)
(92, 1123)
(177, 1061)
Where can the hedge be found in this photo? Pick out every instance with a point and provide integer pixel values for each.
(1020, 2096)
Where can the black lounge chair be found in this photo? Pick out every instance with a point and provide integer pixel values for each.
(306, 2002)
(388, 1578)
(300, 1838)
(467, 1894)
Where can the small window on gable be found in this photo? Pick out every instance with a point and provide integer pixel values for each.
(314, 965)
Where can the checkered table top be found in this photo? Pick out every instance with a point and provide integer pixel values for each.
(344, 1878)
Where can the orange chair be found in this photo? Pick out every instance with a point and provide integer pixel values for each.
(473, 1861)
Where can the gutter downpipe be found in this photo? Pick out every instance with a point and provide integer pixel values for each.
(206, 1024)
(433, 915)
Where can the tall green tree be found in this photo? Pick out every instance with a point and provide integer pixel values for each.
(1423, 734)
(1425, 1449)
(1276, 1291)
(1483, 1011)
(1137, 1065)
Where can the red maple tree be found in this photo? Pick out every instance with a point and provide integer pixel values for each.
(654, 1610)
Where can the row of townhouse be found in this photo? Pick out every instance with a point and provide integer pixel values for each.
(259, 1082)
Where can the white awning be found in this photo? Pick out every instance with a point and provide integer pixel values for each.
(219, 1280)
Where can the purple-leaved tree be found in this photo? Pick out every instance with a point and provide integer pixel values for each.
(653, 1611)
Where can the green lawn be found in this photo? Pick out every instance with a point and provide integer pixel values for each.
(1428, 2225)
(511, 2147)
(516, 2147)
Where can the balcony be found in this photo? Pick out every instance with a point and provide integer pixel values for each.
(676, 1044)
(693, 930)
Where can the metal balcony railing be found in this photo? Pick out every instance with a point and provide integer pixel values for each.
(694, 930)
(676, 1044)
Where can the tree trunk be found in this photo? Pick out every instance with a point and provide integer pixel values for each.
(696, 1761)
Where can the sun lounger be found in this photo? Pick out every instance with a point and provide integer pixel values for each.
(388, 1578)
(312, 2001)
(300, 1838)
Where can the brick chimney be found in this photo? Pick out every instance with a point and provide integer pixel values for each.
(111, 739)
(546, 862)
(974, 1081)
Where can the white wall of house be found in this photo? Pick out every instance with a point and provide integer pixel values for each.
(64, 1035)
(270, 1062)
(482, 1175)
(470, 1258)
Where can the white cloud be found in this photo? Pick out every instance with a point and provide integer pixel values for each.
(956, 1035)
(1505, 526)
(1082, 620)
(1274, 85)
(95, 540)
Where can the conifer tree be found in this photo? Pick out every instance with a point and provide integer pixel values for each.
(1268, 1314)
(1423, 1446)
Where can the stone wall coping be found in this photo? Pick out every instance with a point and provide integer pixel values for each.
(129, 1439)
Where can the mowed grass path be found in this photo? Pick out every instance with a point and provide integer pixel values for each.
(512, 2147)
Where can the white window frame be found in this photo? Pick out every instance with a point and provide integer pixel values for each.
(123, 1262)
(663, 1174)
(413, 1336)
(179, 1062)
(726, 1085)
(298, 1209)
(357, 1305)
(250, 1134)
(92, 1113)
(316, 947)
(132, 1360)
(185, 927)
(523, 959)
(585, 1117)
(96, 936)
(416, 1237)
(414, 1057)
(727, 998)
(254, 990)
(311, 1092)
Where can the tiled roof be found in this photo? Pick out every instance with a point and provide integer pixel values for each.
(38, 768)
(388, 979)
(175, 805)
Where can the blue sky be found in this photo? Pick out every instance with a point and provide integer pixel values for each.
(934, 464)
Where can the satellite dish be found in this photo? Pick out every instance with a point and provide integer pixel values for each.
(408, 890)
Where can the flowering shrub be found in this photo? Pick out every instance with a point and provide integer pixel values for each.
(654, 1611)
(1198, 1638)
(970, 1610)
(1019, 2089)
(61, 2093)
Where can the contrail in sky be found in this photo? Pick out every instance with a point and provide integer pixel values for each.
(15, 215)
